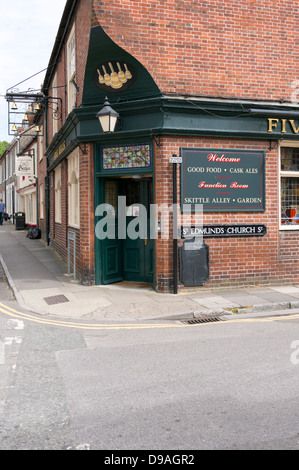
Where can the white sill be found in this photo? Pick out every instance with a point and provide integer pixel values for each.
(289, 227)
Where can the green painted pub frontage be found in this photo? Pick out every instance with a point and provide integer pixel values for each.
(238, 159)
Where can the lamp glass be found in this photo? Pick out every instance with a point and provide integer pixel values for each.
(107, 117)
(113, 121)
(105, 123)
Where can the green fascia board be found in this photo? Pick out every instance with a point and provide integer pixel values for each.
(228, 118)
(187, 117)
(173, 116)
(136, 116)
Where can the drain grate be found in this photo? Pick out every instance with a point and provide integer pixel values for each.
(203, 319)
(56, 299)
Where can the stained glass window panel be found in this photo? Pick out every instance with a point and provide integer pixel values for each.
(126, 157)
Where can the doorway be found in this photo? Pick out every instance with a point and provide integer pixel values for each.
(129, 254)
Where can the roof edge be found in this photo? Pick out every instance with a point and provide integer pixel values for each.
(62, 30)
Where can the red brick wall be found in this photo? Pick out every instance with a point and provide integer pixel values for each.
(288, 246)
(240, 261)
(82, 20)
(241, 48)
(83, 25)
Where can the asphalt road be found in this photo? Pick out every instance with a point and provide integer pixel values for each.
(153, 386)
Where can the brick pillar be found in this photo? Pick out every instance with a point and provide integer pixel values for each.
(164, 199)
(87, 210)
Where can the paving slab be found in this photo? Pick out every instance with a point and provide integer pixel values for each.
(274, 296)
(243, 298)
(40, 282)
(292, 290)
(216, 301)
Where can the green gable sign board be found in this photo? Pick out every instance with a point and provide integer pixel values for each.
(223, 180)
(113, 72)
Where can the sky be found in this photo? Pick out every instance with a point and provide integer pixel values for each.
(27, 35)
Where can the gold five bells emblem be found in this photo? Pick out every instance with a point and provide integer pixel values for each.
(115, 79)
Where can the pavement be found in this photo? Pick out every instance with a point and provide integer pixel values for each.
(40, 283)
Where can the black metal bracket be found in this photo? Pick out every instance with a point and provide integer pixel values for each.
(272, 147)
(30, 99)
(157, 142)
(75, 85)
(83, 150)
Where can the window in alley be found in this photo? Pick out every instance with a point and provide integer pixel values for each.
(71, 69)
(41, 201)
(58, 195)
(73, 189)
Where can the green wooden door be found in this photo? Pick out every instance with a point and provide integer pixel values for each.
(111, 250)
(138, 256)
(138, 248)
(129, 257)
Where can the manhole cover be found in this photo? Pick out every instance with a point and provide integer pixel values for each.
(56, 299)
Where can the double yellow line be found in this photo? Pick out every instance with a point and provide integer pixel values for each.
(264, 319)
(127, 326)
(83, 326)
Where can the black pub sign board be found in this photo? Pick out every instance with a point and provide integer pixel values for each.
(223, 180)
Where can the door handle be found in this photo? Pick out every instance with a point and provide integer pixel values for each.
(145, 242)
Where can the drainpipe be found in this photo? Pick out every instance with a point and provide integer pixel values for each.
(37, 201)
(47, 188)
(13, 202)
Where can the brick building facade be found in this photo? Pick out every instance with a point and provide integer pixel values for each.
(191, 79)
